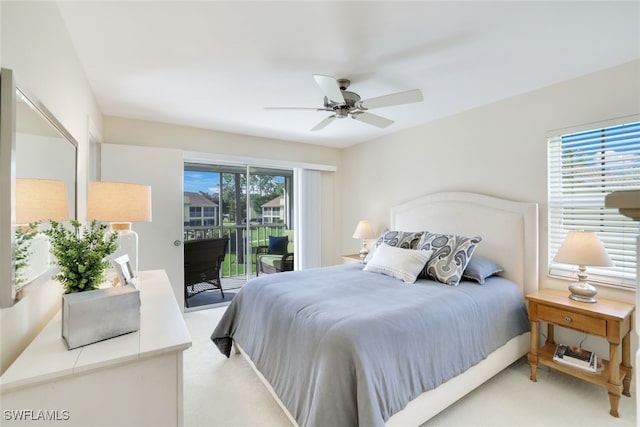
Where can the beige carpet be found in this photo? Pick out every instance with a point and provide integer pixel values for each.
(226, 393)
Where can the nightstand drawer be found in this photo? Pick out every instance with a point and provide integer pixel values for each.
(563, 317)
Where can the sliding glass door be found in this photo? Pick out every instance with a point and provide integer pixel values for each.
(244, 203)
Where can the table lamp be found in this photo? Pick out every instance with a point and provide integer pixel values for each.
(583, 248)
(36, 200)
(40, 200)
(364, 232)
(120, 204)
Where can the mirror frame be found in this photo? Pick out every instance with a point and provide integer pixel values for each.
(8, 99)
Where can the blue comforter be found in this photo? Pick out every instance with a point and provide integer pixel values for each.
(343, 347)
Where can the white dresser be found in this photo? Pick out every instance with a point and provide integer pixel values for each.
(131, 380)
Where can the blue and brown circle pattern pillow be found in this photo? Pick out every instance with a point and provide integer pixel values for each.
(450, 256)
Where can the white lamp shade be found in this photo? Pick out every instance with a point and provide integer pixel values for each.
(40, 200)
(119, 202)
(363, 231)
(583, 248)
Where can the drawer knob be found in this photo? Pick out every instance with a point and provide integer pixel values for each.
(567, 319)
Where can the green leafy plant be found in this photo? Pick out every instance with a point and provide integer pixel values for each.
(81, 254)
(24, 235)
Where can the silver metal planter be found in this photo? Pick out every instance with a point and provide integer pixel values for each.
(97, 315)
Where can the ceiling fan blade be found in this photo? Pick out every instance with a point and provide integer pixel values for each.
(298, 108)
(330, 88)
(323, 124)
(372, 119)
(399, 98)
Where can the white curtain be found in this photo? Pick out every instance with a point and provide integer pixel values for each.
(306, 191)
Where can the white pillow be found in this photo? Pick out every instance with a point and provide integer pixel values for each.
(401, 239)
(399, 263)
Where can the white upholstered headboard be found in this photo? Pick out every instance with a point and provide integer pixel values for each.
(509, 229)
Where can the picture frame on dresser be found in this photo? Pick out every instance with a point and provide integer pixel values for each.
(122, 265)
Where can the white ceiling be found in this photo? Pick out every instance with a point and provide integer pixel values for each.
(215, 65)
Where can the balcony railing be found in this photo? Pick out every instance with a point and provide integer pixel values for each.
(234, 262)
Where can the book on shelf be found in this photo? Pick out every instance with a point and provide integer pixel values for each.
(576, 357)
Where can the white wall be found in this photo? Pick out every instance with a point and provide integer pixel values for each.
(35, 44)
(138, 132)
(499, 149)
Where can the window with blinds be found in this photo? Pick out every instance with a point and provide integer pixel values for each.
(583, 168)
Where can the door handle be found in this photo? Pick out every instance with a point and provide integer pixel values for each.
(177, 242)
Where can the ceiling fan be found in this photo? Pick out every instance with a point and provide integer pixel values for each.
(343, 103)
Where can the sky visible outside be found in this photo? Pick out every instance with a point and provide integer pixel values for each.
(208, 182)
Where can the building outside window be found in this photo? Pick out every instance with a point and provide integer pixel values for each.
(273, 210)
(201, 210)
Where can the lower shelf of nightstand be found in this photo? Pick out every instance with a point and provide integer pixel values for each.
(545, 357)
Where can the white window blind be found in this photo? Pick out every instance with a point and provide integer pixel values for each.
(583, 168)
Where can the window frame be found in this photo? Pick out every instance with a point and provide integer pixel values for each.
(572, 201)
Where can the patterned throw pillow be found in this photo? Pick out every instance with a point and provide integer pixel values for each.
(450, 256)
(400, 239)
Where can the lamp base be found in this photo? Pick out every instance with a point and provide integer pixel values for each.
(582, 299)
(583, 291)
(127, 244)
(364, 251)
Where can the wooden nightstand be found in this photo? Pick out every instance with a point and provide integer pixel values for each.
(351, 258)
(608, 319)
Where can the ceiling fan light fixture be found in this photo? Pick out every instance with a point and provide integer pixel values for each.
(344, 103)
(342, 112)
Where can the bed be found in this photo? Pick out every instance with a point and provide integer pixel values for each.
(390, 361)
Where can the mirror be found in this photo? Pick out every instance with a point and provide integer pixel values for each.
(41, 149)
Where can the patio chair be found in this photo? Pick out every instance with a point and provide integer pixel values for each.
(202, 266)
(278, 256)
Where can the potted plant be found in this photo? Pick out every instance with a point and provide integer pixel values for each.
(81, 255)
(90, 313)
